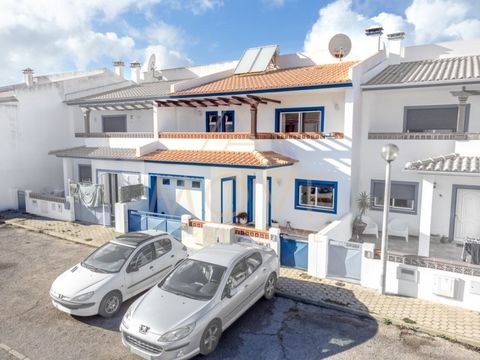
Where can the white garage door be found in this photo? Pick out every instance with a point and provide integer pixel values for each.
(179, 196)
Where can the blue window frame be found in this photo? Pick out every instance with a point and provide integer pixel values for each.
(316, 195)
(223, 123)
(165, 181)
(300, 119)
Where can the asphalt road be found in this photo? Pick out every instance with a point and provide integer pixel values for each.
(280, 329)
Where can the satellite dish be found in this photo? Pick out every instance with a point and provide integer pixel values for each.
(151, 63)
(340, 46)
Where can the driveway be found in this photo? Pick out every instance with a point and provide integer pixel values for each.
(281, 329)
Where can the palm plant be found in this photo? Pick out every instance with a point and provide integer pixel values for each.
(363, 204)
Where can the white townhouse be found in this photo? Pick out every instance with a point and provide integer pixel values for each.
(263, 143)
(426, 100)
(33, 119)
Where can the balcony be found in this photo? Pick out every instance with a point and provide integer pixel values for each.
(422, 136)
(248, 135)
(115, 135)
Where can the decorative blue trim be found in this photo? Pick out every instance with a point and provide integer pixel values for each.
(299, 182)
(261, 91)
(232, 113)
(207, 122)
(234, 195)
(217, 165)
(250, 179)
(278, 111)
(151, 193)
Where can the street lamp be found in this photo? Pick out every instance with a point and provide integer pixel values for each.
(389, 153)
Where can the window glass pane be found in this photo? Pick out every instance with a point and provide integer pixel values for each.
(213, 123)
(239, 274)
(305, 198)
(253, 262)
(144, 256)
(84, 173)
(290, 122)
(162, 246)
(403, 203)
(439, 119)
(114, 123)
(325, 196)
(228, 119)
(196, 184)
(166, 181)
(311, 121)
(180, 182)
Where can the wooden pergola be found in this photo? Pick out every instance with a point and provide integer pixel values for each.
(250, 100)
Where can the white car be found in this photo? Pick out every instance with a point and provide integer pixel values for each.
(186, 313)
(116, 271)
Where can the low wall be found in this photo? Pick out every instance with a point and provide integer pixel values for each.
(340, 230)
(424, 282)
(121, 213)
(49, 206)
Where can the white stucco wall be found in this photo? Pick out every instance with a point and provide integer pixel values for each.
(383, 112)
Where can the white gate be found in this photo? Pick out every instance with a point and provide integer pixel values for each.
(344, 259)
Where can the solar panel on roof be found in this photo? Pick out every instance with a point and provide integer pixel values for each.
(256, 59)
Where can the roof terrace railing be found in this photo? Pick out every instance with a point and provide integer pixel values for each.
(422, 136)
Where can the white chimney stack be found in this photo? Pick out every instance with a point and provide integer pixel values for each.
(28, 76)
(135, 71)
(374, 34)
(118, 67)
(395, 47)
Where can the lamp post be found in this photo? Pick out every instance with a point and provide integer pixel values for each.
(389, 153)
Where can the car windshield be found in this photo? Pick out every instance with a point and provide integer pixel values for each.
(194, 279)
(109, 258)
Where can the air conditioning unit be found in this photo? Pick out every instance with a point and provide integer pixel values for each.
(445, 286)
(407, 274)
(218, 234)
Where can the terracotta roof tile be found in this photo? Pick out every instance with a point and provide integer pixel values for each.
(283, 78)
(234, 158)
(448, 163)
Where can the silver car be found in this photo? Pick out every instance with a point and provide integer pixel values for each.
(186, 313)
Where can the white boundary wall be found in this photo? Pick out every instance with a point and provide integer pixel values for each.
(50, 209)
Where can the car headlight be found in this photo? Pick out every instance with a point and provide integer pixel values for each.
(177, 334)
(83, 297)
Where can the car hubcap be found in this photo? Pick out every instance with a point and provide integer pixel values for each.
(211, 337)
(112, 304)
(270, 286)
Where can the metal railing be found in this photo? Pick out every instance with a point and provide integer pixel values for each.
(422, 136)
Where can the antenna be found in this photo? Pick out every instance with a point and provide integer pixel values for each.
(340, 46)
(151, 63)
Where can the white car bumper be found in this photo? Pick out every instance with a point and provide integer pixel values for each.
(149, 350)
(77, 309)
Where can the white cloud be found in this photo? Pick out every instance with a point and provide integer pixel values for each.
(51, 36)
(424, 21)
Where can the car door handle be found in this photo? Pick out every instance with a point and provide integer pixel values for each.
(173, 255)
(264, 270)
(246, 285)
(151, 267)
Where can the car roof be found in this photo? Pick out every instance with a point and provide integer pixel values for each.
(138, 238)
(221, 254)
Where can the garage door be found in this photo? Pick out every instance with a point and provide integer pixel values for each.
(180, 196)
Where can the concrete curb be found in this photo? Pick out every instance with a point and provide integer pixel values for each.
(473, 344)
(50, 233)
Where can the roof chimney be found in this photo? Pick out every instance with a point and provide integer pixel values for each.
(28, 76)
(395, 47)
(374, 34)
(118, 67)
(135, 71)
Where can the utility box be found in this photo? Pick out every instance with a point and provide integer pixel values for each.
(445, 286)
(218, 234)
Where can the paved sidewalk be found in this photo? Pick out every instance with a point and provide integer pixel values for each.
(88, 234)
(436, 319)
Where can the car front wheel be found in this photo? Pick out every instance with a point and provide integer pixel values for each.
(110, 304)
(211, 337)
(270, 286)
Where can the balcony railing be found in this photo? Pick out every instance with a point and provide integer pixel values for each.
(247, 135)
(422, 136)
(115, 135)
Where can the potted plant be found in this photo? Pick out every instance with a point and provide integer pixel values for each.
(242, 218)
(363, 204)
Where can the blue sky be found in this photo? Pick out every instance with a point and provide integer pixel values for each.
(65, 35)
